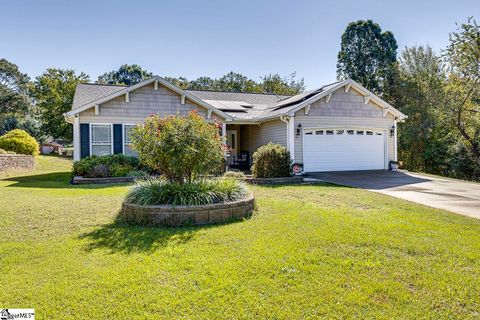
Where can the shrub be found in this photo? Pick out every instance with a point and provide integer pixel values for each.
(271, 161)
(19, 141)
(115, 165)
(181, 148)
(201, 192)
(234, 175)
(3, 151)
(137, 174)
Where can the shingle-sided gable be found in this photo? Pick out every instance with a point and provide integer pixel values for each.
(344, 104)
(144, 102)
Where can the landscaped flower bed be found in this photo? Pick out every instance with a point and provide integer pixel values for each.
(175, 216)
(99, 169)
(182, 151)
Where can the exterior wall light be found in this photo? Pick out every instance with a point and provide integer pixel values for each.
(299, 130)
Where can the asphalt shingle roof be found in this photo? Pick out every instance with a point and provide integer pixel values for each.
(89, 92)
(241, 106)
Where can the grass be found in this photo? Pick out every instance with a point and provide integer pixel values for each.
(318, 251)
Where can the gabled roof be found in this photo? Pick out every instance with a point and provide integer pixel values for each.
(89, 92)
(249, 107)
(125, 90)
(300, 101)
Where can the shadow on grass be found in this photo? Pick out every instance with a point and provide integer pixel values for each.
(121, 237)
(51, 180)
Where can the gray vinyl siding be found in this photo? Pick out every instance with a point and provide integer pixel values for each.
(143, 102)
(272, 131)
(344, 110)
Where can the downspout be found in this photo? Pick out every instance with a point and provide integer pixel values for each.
(395, 123)
(290, 121)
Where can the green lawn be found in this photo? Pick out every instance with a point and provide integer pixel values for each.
(309, 252)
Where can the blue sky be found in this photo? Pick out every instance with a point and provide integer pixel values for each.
(210, 38)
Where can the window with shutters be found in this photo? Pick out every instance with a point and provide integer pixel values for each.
(101, 139)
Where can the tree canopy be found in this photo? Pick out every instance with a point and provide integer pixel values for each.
(237, 82)
(423, 138)
(14, 97)
(463, 60)
(127, 74)
(53, 92)
(368, 55)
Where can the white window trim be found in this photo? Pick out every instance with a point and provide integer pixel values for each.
(91, 135)
(123, 135)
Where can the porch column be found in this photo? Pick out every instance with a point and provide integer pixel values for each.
(76, 138)
(291, 137)
(224, 135)
(395, 140)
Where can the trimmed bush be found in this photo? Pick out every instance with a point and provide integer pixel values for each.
(115, 165)
(181, 148)
(162, 191)
(272, 161)
(19, 141)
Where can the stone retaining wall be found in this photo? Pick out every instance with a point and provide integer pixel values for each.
(166, 215)
(16, 162)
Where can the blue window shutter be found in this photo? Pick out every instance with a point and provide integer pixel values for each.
(117, 138)
(84, 140)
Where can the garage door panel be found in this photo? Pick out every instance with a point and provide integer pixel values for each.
(340, 152)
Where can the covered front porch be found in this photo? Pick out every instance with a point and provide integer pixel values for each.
(240, 149)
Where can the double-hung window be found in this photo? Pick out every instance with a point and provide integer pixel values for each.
(127, 142)
(101, 139)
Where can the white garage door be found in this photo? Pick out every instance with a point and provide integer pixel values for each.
(343, 149)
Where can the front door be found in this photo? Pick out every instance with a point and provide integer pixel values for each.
(232, 143)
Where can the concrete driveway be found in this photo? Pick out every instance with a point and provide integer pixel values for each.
(443, 193)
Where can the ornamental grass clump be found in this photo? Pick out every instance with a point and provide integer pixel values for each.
(201, 192)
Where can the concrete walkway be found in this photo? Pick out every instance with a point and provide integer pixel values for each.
(443, 193)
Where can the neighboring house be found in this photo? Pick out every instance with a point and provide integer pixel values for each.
(50, 147)
(340, 126)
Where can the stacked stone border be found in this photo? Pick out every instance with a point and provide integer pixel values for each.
(16, 162)
(175, 216)
(82, 180)
(275, 181)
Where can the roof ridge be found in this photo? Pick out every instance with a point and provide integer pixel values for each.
(259, 93)
(104, 84)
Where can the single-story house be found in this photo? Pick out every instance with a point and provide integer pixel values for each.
(340, 126)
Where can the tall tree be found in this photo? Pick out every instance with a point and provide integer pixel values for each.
(13, 89)
(53, 92)
(463, 59)
(126, 75)
(368, 56)
(423, 137)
